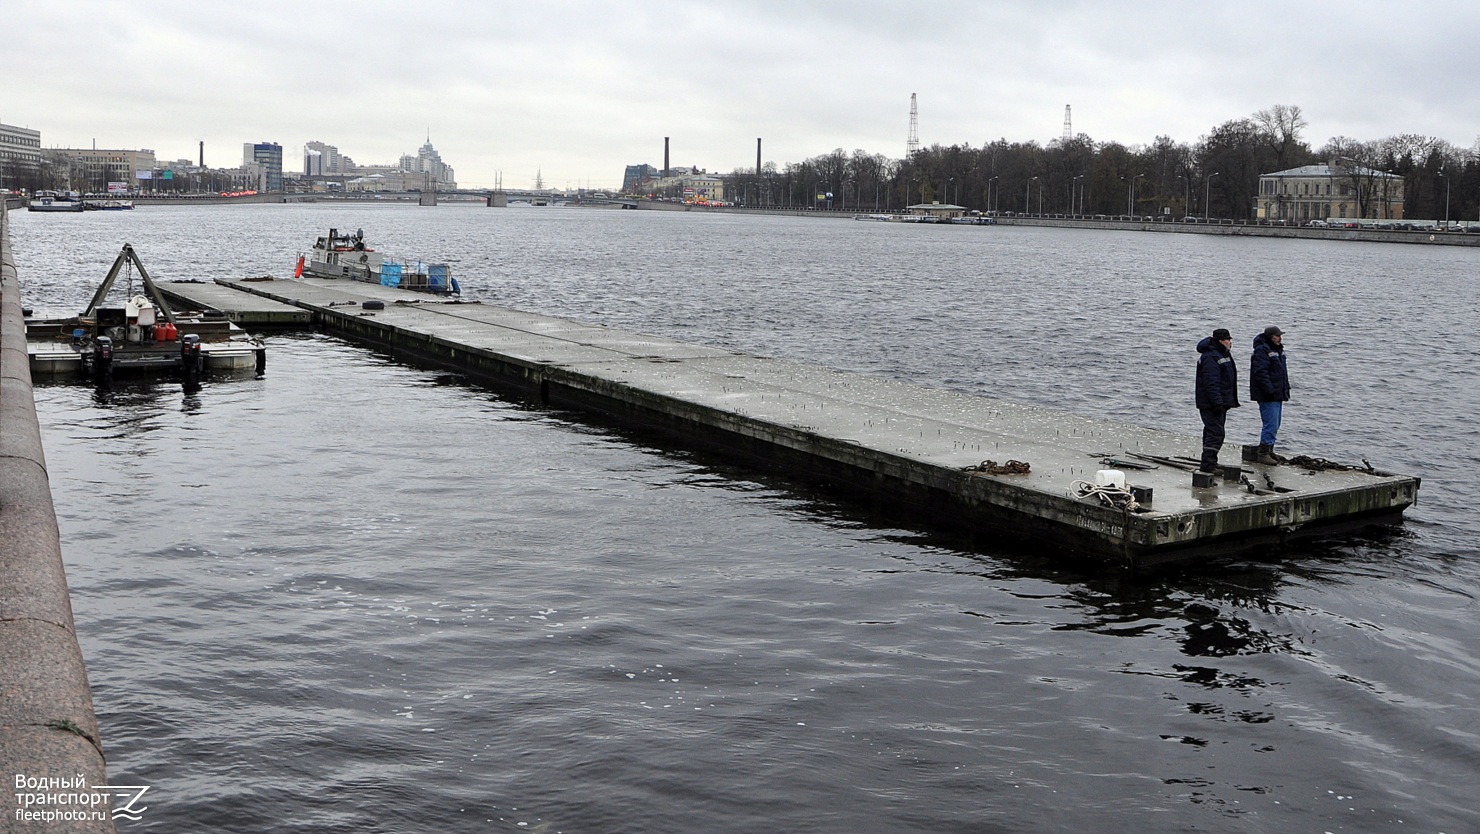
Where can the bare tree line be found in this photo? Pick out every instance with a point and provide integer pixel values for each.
(1216, 176)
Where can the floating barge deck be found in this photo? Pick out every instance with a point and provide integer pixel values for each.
(145, 335)
(916, 447)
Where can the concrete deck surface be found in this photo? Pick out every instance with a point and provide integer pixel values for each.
(878, 433)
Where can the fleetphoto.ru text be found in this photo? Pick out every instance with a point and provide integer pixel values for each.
(71, 799)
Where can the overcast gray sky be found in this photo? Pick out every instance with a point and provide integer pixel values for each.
(577, 90)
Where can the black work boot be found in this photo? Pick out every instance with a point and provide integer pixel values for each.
(1266, 455)
(1209, 462)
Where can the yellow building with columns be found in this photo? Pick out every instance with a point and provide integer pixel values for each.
(1340, 189)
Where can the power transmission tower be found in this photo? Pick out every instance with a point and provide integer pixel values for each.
(912, 144)
(1068, 129)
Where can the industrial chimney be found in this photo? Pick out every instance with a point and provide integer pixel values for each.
(665, 156)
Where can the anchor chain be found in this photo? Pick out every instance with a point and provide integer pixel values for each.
(992, 467)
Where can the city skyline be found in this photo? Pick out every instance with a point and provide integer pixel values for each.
(574, 92)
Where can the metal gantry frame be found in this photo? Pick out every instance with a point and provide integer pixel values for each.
(127, 256)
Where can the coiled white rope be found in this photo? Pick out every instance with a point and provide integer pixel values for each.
(1110, 496)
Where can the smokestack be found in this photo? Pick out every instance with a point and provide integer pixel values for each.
(665, 156)
(757, 156)
(202, 153)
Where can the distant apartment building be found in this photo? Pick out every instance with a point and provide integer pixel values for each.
(384, 178)
(437, 175)
(99, 170)
(327, 169)
(188, 175)
(636, 175)
(20, 155)
(1339, 189)
(687, 184)
(322, 160)
(269, 157)
(704, 187)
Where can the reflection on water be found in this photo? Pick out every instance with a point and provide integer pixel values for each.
(358, 596)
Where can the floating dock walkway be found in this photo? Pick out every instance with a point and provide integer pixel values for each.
(921, 449)
(250, 312)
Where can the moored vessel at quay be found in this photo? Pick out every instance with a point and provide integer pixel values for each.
(55, 201)
(343, 255)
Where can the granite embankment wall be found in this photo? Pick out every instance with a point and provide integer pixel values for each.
(1228, 228)
(50, 751)
(1232, 229)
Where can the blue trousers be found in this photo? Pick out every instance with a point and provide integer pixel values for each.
(1269, 414)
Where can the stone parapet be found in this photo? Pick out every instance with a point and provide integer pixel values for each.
(51, 756)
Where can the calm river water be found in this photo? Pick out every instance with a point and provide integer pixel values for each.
(358, 596)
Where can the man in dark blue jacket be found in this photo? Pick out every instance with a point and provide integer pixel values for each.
(1217, 391)
(1269, 385)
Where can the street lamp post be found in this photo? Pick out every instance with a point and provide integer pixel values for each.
(1446, 199)
(1206, 180)
(1130, 200)
(992, 195)
(949, 182)
(1073, 185)
(1028, 197)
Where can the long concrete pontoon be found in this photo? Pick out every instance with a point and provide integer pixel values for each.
(931, 454)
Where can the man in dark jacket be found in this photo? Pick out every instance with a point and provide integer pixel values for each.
(1217, 391)
(1269, 385)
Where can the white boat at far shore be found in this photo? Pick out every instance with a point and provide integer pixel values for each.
(55, 201)
(894, 218)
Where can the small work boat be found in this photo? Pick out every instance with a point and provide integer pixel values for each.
(345, 255)
(143, 335)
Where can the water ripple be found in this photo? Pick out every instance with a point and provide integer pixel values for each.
(359, 596)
